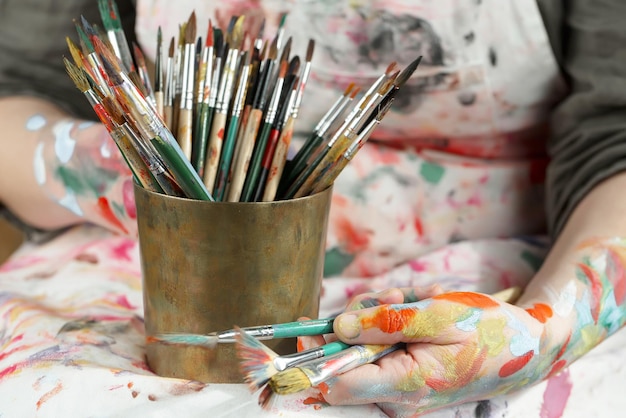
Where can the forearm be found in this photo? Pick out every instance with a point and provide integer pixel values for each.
(57, 171)
(582, 281)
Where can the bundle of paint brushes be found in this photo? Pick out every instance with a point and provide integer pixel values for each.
(217, 120)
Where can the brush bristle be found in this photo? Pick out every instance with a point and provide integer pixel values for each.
(286, 50)
(273, 49)
(77, 75)
(292, 380)
(407, 72)
(75, 52)
(236, 35)
(209, 35)
(170, 51)
(294, 65)
(113, 110)
(139, 57)
(266, 398)
(190, 29)
(310, 50)
(257, 360)
(202, 340)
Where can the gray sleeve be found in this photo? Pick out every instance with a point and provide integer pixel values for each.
(588, 142)
(32, 45)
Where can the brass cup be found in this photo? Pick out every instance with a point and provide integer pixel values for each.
(208, 266)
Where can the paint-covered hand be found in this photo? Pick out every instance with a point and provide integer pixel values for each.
(79, 166)
(461, 346)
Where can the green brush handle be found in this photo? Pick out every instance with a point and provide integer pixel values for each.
(303, 328)
(334, 347)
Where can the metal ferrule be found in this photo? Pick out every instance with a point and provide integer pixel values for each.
(96, 66)
(305, 76)
(228, 79)
(169, 82)
(283, 362)
(264, 332)
(360, 139)
(273, 107)
(91, 98)
(113, 41)
(125, 55)
(186, 99)
(241, 91)
(291, 110)
(151, 158)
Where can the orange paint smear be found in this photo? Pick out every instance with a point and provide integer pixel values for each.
(516, 364)
(464, 371)
(107, 213)
(390, 320)
(474, 300)
(46, 396)
(596, 290)
(541, 312)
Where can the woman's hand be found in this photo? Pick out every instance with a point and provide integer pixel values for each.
(461, 346)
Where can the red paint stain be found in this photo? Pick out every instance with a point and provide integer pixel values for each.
(353, 240)
(474, 300)
(317, 402)
(220, 134)
(596, 290)
(54, 391)
(419, 227)
(541, 312)
(556, 368)
(107, 213)
(135, 393)
(556, 395)
(390, 320)
(516, 364)
(300, 345)
(9, 370)
(563, 348)
(616, 275)
(130, 385)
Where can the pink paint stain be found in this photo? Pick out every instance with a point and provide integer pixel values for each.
(555, 397)
(123, 250)
(21, 262)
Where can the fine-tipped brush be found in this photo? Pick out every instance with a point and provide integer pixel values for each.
(259, 363)
(232, 131)
(205, 86)
(218, 124)
(158, 75)
(240, 182)
(144, 76)
(168, 96)
(253, 190)
(115, 32)
(128, 152)
(89, 52)
(185, 113)
(330, 174)
(261, 332)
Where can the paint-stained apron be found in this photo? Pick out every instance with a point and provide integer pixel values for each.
(461, 155)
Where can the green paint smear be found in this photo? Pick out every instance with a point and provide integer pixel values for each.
(432, 173)
(88, 181)
(119, 210)
(534, 260)
(336, 262)
(71, 180)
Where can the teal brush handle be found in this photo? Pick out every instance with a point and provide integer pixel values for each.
(290, 360)
(303, 328)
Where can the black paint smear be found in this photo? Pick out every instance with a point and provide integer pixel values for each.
(470, 37)
(493, 56)
(483, 409)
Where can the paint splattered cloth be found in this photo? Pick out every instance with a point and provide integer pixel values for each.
(72, 338)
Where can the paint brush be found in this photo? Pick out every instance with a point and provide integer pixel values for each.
(137, 166)
(205, 74)
(314, 372)
(179, 59)
(115, 33)
(330, 173)
(218, 125)
(144, 76)
(277, 126)
(158, 75)
(249, 144)
(168, 99)
(259, 363)
(339, 142)
(304, 77)
(252, 186)
(89, 52)
(155, 132)
(231, 134)
(281, 31)
(299, 161)
(261, 332)
(185, 113)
